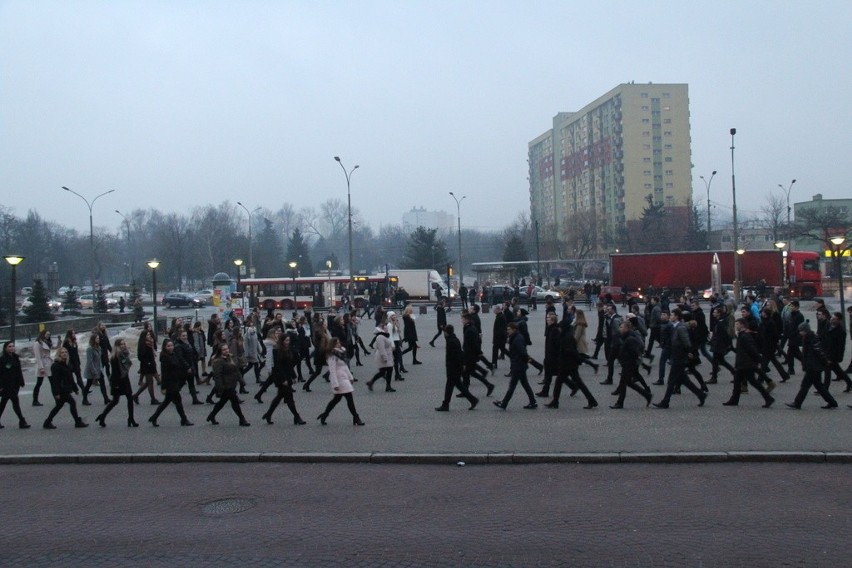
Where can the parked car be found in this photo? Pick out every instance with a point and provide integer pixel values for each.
(206, 295)
(541, 294)
(496, 293)
(52, 303)
(86, 302)
(617, 296)
(182, 300)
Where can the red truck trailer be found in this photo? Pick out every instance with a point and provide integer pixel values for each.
(679, 270)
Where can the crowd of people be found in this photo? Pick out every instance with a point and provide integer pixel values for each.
(766, 334)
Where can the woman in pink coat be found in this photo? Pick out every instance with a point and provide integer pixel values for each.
(341, 381)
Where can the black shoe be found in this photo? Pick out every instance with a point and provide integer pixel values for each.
(243, 390)
(499, 404)
(186, 423)
(306, 388)
(389, 389)
(268, 419)
(356, 421)
(322, 418)
(658, 383)
(543, 394)
(417, 362)
(490, 388)
(647, 398)
(432, 344)
(442, 408)
(297, 420)
(702, 400)
(212, 420)
(591, 405)
(531, 406)
(616, 406)
(244, 422)
(22, 425)
(48, 426)
(370, 385)
(100, 420)
(136, 399)
(37, 403)
(729, 403)
(258, 399)
(473, 404)
(459, 395)
(196, 402)
(132, 423)
(80, 424)
(153, 422)
(607, 382)
(830, 405)
(661, 404)
(155, 402)
(85, 403)
(792, 405)
(552, 404)
(768, 402)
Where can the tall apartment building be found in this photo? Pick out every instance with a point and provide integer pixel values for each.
(420, 217)
(591, 173)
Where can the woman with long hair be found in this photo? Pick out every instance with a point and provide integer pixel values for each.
(147, 367)
(320, 340)
(253, 349)
(237, 348)
(70, 344)
(580, 327)
(174, 375)
(226, 376)
(62, 385)
(94, 371)
(119, 382)
(283, 377)
(199, 341)
(384, 356)
(409, 334)
(11, 381)
(42, 347)
(341, 382)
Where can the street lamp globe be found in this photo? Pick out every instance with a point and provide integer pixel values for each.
(837, 241)
(780, 245)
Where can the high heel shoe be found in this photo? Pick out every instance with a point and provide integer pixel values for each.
(268, 419)
(186, 423)
(306, 388)
(132, 423)
(322, 418)
(297, 420)
(153, 421)
(100, 420)
(136, 399)
(244, 422)
(356, 421)
(212, 420)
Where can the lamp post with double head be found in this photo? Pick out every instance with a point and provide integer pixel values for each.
(90, 205)
(458, 218)
(707, 186)
(348, 175)
(737, 268)
(153, 264)
(129, 247)
(14, 260)
(838, 242)
(786, 191)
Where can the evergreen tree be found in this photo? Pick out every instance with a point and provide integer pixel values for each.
(38, 310)
(298, 251)
(100, 301)
(514, 251)
(69, 302)
(423, 249)
(268, 252)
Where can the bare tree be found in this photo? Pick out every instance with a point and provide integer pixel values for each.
(773, 216)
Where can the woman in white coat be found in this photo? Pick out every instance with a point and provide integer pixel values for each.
(384, 357)
(341, 381)
(42, 351)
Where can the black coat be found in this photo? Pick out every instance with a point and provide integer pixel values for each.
(11, 375)
(472, 344)
(518, 354)
(409, 331)
(835, 343)
(748, 356)
(62, 379)
(455, 357)
(174, 372)
(499, 336)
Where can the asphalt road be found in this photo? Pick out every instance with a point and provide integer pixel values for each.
(701, 515)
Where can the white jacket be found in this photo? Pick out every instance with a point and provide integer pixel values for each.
(339, 373)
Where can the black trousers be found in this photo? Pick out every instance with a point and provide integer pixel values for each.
(741, 377)
(285, 393)
(455, 382)
(677, 377)
(575, 383)
(387, 373)
(88, 389)
(519, 377)
(16, 405)
(654, 336)
(833, 367)
(116, 396)
(171, 398)
(61, 401)
(813, 379)
(350, 402)
(719, 361)
(628, 378)
(473, 370)
(498, 349)
(226, 396)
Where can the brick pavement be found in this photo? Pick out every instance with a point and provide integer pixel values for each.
(405, 422)
(636, 515)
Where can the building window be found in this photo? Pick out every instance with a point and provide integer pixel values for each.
(667, 133)
(644, 95)
(655, 100)
(646, 159)
(648, 186)
(668, 146)
(646, 133)
(667, 121)
(669, 172)
(667, 95)
(647, 172)
(646, 121)
(668, 158)
(726, 238)
(669, 185)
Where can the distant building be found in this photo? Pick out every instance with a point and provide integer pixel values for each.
(590, 174)
(419, 217)
(844, 206)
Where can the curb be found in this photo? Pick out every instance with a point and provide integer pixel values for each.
(435, 459)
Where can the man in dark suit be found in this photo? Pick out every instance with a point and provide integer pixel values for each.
(835, 348)
(680, 352)
(813, 363)
(455, 367)
(519, 358)
(746, 364)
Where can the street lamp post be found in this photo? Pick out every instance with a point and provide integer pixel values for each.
(707, 185)
(153, 264)
(129, 247)
(349, 206)
(90, 205)
(239, 264)
(458, 218)
(786, 191)
(737, 268)
(14, 260)
(838, 242)
(329, 291)
(251, 261)
(293, 265)
(780, 246)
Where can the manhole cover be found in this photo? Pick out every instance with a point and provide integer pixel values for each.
(228, 506)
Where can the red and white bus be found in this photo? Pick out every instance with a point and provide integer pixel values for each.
(302, 292)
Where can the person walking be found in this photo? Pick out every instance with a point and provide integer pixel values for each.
(835, 348)
(199, 342)
(94, 371)
(42, 347)
(569, 359)
(498, 336)
(62, 385)
(283, 376)
(814, 363)
(11, 381)
(226, 377)
(552, 340)
(174, 375)
(119, 383)
(70, 344)
(472, 347)
(384, 358)
(746, 363)
(254, 350)
(630, 349)
(519, 362)
(341, 382)
(186, 350)
(682, 351)
(441, 314)
(455, 368)
(147, 367)
(409, 334)
(612, 340)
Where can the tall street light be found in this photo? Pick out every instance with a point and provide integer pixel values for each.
(249, 213)
(239, 264)
(737, 268)
(91, 233)
(349, 205)
(293, 265)
(153, 264)
(14, 260)
(707, 185)
(786, 191)
(458, 217)
(838, 242)
(129, 247)
(780, 246)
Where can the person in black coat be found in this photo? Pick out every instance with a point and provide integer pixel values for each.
(519, 362)
(455, 362)
(282, 375)
(11, 380)
(552, 341)
(791, 334)
(70, 343)
(835, 348)
(770, 335)
(226, 377)
(409, 335)
(174, 373)
(442, 320)
(746, 364)
(498, 336)
(568, 366)
(62, 385)
(472, 347)
(682, 351)
(119, 383)
(813, 363)
(630, 349)
(186, 350)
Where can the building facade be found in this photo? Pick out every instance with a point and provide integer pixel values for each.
(420, 217)
(592, 173)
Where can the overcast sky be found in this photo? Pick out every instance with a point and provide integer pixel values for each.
(178, 104)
